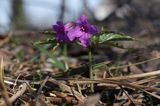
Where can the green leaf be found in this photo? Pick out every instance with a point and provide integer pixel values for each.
(54, 61)
(47, 32)
(112, 36)
(47, 41)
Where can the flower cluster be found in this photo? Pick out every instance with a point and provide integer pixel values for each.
(81, 30)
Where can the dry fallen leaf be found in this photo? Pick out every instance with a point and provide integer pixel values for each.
(92, 100)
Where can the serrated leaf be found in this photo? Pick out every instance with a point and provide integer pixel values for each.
(48, 32)
(113, 36)
(47, 41)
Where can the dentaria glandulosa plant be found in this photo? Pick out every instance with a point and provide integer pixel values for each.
(85, 34)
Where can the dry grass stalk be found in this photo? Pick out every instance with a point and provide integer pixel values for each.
(138, 63)
(79, 88)
(121, 87)
(146, 80)
(122, 83)
(127, 84)
(148, 74)
(2, 85)
(65, 87)
(151, 94)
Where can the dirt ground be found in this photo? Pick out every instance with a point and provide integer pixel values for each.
(130, 78)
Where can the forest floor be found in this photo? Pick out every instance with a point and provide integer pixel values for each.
(128, 77)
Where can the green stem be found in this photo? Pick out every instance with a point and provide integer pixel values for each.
(65, 50)
(65, 53)
(91, 68)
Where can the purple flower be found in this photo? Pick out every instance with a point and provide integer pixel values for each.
(83, 30)
(61, 31)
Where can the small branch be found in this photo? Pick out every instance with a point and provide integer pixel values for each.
(15, 83)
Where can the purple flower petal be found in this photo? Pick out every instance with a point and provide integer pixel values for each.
(55, 28)
(93, 29)
(81, 30)
(61, 37)
(81, 19)
(74, 33)
(69, 26)
(84, 40)
(61, 32)
(58, 27)
(60, 23)
(84, 31)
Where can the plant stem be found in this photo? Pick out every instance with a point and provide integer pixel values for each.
(91, 68)
(65, 50)
(65, 53)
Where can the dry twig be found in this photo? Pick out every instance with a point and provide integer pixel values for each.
(80, 97)
(40, 89)
(19, 93)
